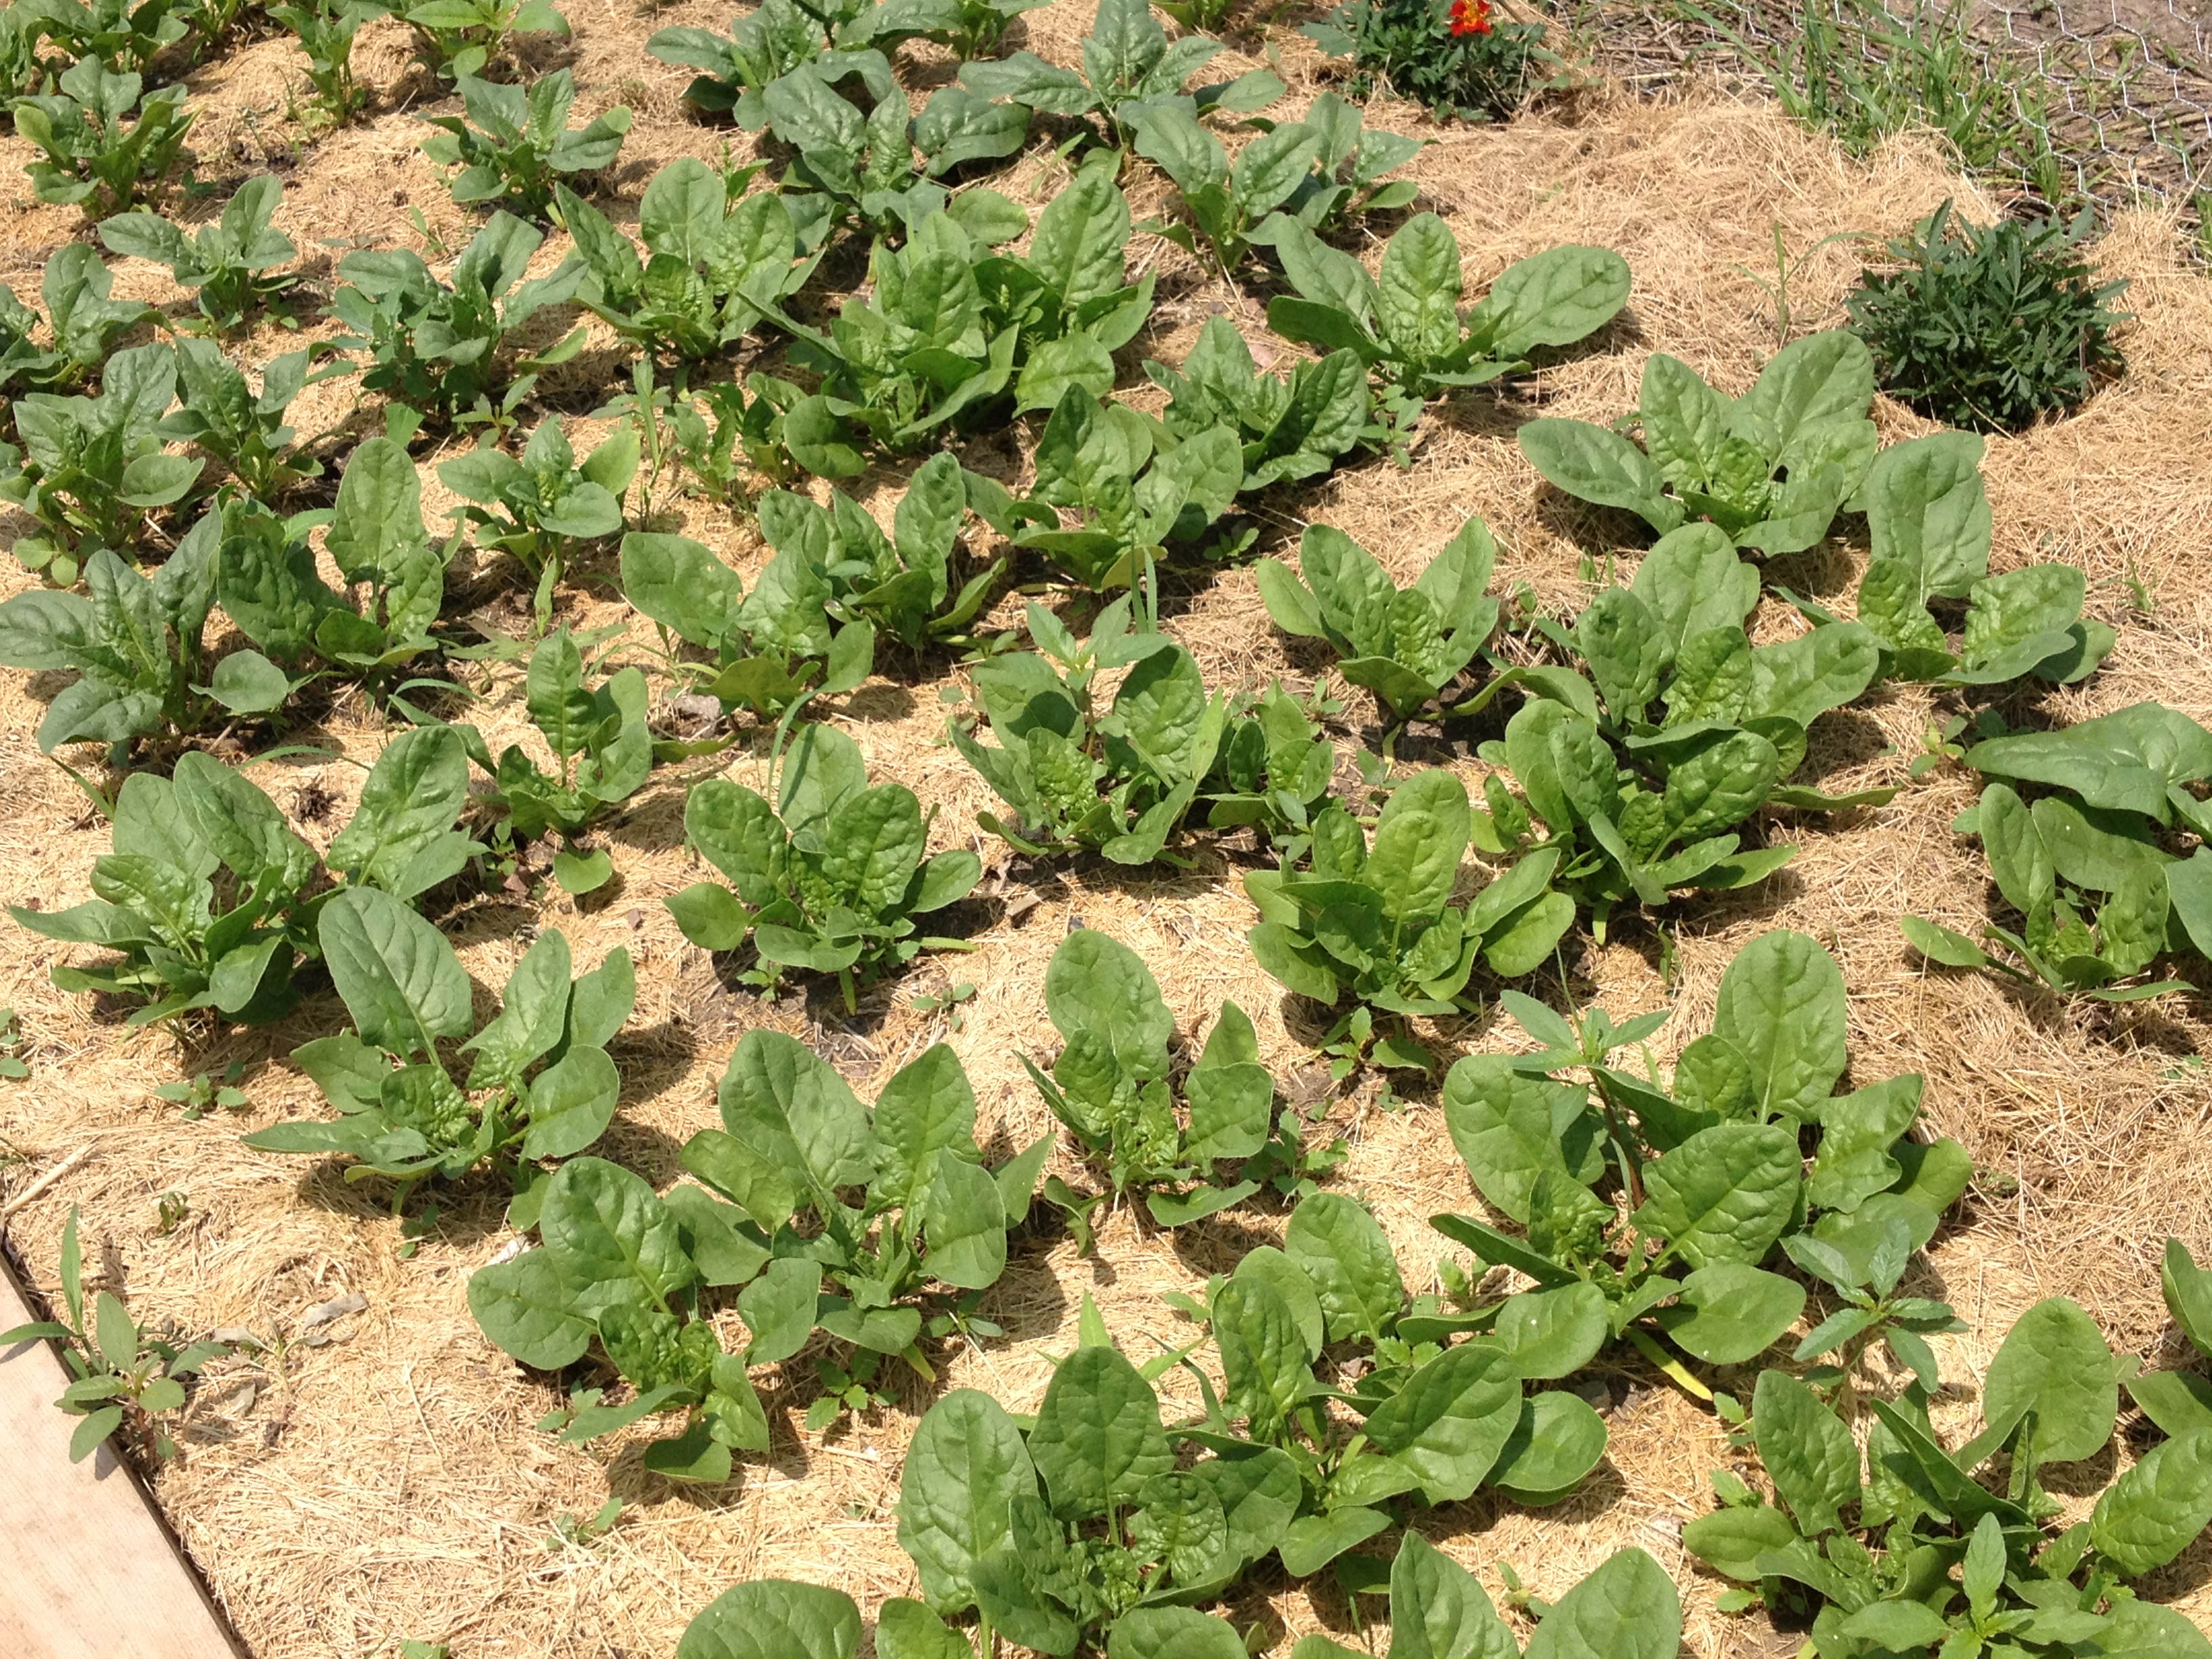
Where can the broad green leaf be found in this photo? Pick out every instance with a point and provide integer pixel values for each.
(528, 1308)
(1173, 1633)
(1097, 1438)
(398, 977)
(1782, 1005)
(2054, 1362)
(1439, 1610)
(1627, 1609)
(2155, 1511)
(963, 1469)
(610, 1239)
(1451, 1420)
(1553, 1332)
(1601, 466)
(1263, 1357)
(774, 1619)
(1808, 1453)
(1557, 1441)
(1419, 840)
(1337, 1242)
(2188, 1292)
(1729, 1313)
(1724, 1196)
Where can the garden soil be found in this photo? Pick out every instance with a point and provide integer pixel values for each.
(376, 1474)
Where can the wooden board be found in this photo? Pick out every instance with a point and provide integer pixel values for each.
(86, 1569)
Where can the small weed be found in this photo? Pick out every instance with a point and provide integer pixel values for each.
(11, 1047)
(570, 1531)
(174, 1209)
(846, 1389)
(948, 1003)
(204, 1090)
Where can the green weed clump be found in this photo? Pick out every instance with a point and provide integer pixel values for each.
(1989, 328)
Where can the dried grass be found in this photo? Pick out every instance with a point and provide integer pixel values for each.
(390, 1483)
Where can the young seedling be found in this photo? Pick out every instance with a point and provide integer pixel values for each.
(772, 41)
(969, 29)
(570, 1532)
(1873, 1311)
(124, 1376)
(1406, 645)
(900, 584)
(1407, 327)
(951, 1002)
(241, 427)
(325, 33)
(1128, 67)
(1273, 770)
(122, 35)
(225, 263)
(1831, 1549)
(437, 345)
(1722, 1140)
(830, 880)
(710, 450)
(1292, 426)
(12, 1063)
(200, 1093)
(761, 643)
(713, 268)
(82, 324)
(90, 158)
(1118, 783)
(545, 507)
(512, 145)
(1928, 522)
(402, 1116)
(602, 754)
(461, 37)
(1770, 467)
(1111, 1083)
(183, 945)
(92, 469)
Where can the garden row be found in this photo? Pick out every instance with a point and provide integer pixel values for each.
(1649, 748)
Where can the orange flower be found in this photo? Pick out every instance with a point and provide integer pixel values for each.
(1470, 16)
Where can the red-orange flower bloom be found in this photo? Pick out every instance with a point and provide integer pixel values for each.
(1470, 16)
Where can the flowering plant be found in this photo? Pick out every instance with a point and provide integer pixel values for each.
(1453, 56)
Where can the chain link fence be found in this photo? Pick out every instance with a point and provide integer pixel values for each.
(2057, 102)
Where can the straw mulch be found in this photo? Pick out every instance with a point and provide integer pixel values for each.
(388, 1481)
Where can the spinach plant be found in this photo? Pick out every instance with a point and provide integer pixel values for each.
(92, 153)
(1627, 1609)
(928, 1234)
(1117, 783)
(136, 645)
(542, 508)
(223, 263)
(325, 30)
(1293, 426)
(1406, 326)
(1284, 180)
(1928, 523)
(82, 325)
(1378, 923)
(121, 1375)
(1881, 1580)
(1111, 1083)
(2117, 792)
(1770, 467)
(267, 582)
(713, 268)
(1419, 1417)
(1274, 769)
(461, 37)
(829, 879)
(948, 330)
(92, 468)
(541, 1085)
(1636, 808)
(761, 643)
(629, 1269)
(1083, 1526)
(968, 28)
(1130, 495)
(602, 754)
(438, 345)
(206, 894)
(1128, 67)
(851, 167)
(1710, 1167)
(1406, 645)
(122, 35)
(901, 584)
(763, 45)
(708, 450)
(512, 144)
(2179, 1401)
(243, 429)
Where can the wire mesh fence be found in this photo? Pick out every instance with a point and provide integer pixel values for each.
(2057, 102)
